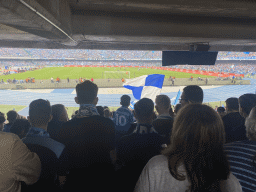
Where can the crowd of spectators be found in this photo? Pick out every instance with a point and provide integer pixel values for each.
(227, 68)
(246, 69)
(61, 57)
(190, 148)
(80, 54)
(102, 54)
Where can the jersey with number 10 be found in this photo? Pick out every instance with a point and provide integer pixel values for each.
(123, 118)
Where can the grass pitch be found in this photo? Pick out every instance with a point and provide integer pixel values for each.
(5, 108)
(94, 72)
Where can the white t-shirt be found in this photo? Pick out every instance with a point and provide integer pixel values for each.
(156, 177)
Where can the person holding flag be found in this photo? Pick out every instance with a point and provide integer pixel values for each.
(145, 86)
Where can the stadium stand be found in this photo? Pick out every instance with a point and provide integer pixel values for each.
(118, 169)
(61, 57)
(79, 169)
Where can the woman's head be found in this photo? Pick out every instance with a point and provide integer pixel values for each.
(197, 141)
(196, 127)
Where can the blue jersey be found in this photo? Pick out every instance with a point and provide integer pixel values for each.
(123, 118)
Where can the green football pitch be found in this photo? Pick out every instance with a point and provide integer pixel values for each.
(95, 72)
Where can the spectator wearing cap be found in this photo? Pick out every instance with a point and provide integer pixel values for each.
(163, 123)
(234, 122)
(123, 117)
(90, 144)
(191, 94)
(11, 117)
(242, 155)
(38, 140)
(134, 150)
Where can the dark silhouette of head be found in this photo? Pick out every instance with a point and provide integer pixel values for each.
(246, 103)
(192, 94)
(86, 93)
(40, 112)
(125, 100)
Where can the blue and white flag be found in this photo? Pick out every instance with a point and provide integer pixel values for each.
(132, 104)
(146, 86)
(177, 98)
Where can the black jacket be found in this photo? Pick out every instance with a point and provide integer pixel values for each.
(234, 127)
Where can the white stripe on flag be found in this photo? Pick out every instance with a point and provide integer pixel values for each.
(150, 92)
(136, 82)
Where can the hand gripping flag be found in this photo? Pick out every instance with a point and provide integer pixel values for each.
(146, 86)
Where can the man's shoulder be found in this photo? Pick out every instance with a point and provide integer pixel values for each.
(88, 122)
(141, 137)
(233, 115)
(122, 108)
(163, 122)
(157, 162)
(164, 119)
(10, 137)
(233, 119)
(94, 118)
(49, 143)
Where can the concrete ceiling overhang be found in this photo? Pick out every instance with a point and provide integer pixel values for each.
(226, 25)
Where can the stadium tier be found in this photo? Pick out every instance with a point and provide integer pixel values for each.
(105, 54)
(14, 58)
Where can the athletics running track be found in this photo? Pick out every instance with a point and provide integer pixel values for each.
(111, 97)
